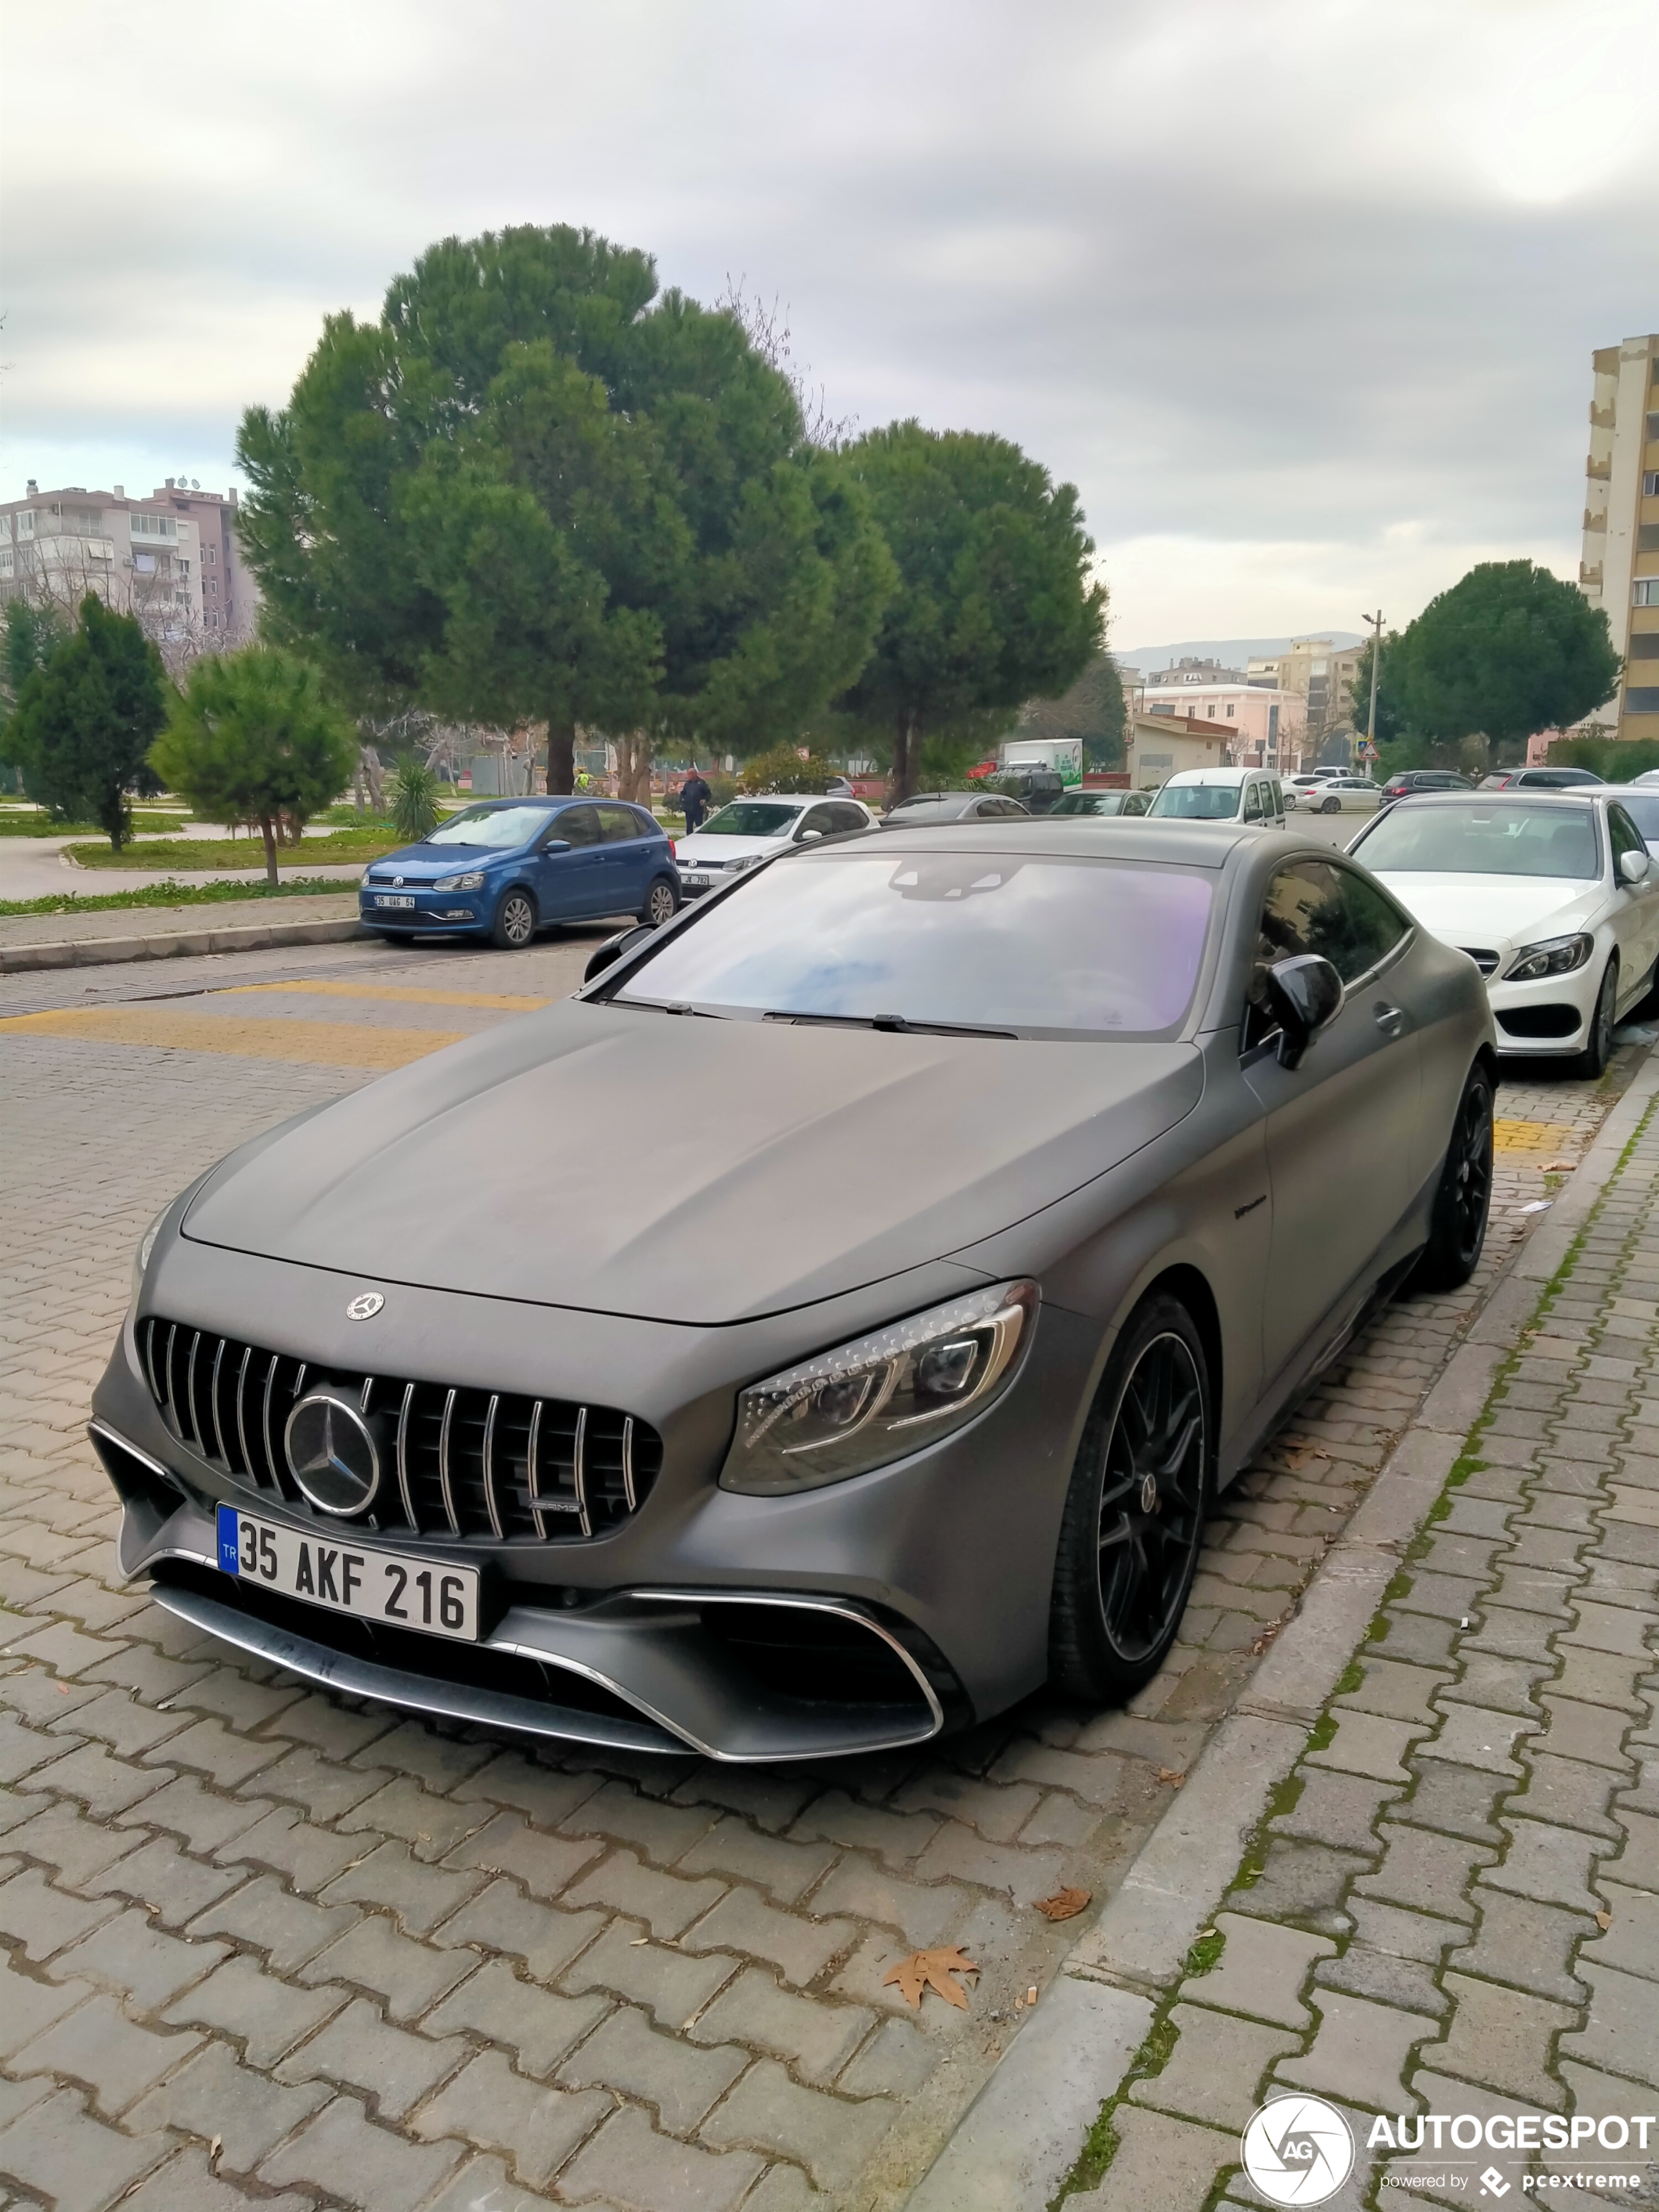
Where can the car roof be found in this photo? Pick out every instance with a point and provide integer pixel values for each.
(1191, 775)
(786, 798)
(1103, 836)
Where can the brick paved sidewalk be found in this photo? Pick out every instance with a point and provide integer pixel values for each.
(1453, 1905)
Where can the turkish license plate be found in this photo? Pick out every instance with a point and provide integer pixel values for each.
(393, 1587)
(697, 883)
(394, 898)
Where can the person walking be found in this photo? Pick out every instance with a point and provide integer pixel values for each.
(694, 796)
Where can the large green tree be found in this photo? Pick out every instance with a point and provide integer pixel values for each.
(537, 490)
(994, 602)
(1092, 709)
(85, 720)
(253, 737)
(30, 636)
(1508, 651)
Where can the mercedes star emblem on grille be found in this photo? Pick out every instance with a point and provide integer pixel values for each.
(332, 1453)
(365, 1306)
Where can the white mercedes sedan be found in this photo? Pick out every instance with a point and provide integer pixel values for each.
(1552, 894)
(750, 830)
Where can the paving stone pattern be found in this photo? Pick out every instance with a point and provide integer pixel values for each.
(264, 1944)
(1457, 1905)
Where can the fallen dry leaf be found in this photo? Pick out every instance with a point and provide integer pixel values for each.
(1560, 1167)
(1172, 1775)
(932, 1970)
(1064, 1904)
(1604, 1921)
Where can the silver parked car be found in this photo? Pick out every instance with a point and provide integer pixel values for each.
(1006, 1185)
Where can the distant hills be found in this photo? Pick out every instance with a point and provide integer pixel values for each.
(1231, 652)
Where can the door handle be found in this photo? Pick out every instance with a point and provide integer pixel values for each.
(1390, 1019)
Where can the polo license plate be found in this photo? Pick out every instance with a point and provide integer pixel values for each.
(394, 898)
(393, 1587)
(697, 883)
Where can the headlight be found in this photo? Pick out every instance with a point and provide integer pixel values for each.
(146, 1246)
(1555, 955)
(471, 881)
(877, 1399)
(744, 861)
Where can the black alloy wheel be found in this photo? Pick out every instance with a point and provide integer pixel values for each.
(515, 920)
(661, 903)
(1593, 1060)
(1457, 1229)
(1135, 1517)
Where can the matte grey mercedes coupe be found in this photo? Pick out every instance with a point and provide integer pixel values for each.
(832, 1323)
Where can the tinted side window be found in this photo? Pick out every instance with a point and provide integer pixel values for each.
(1297, 897)
(847, 818)
(1622, 834)
(1253, 802)
(821, 818)
(1369, 929)
(619, 824)
(578, 825)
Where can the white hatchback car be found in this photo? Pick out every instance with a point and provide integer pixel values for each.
(749, 830)
(1552, 895)
(1250, 795)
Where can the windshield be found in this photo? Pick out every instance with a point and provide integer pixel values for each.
(1198, 802)
(501, 828)
(749, 817)
(1090, 802)
(1487, 839)
(983, 943)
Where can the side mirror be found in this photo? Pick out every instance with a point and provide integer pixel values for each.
(556, 845)
(1632, 866)
(809, 836)
(607, 954)
(1306, 993)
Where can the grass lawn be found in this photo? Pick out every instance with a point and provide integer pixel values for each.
(341, 850)
(171, 894)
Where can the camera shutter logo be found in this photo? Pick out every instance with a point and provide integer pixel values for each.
(1297, 2150)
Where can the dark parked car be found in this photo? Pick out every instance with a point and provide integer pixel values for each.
(503, 869)
(756, 1454)
(1538, 778)
(928, 810)
(1424, 779)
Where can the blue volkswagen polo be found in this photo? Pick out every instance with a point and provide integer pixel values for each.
(503, 869)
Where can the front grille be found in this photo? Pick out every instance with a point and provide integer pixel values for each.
(1483, 957)
(482, 1465)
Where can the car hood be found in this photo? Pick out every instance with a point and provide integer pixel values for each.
(689, 1170)
(1495, 910)
(717, 851)
(423, 863)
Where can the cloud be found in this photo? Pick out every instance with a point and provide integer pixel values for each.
(1300, 294)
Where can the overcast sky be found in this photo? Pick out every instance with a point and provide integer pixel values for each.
(1301, 293)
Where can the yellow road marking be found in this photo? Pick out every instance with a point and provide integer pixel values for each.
(501, 1001)
(326, 1044)
(1530, 1136)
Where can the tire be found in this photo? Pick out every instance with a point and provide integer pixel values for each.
(662, 903)
(515, 920)
(1592, 1062)
(1134, 1515)
(1457, 1227)
(1331, 806)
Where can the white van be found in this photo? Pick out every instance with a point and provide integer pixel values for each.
(1252, 795)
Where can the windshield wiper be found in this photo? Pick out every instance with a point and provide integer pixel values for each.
(898, 1024)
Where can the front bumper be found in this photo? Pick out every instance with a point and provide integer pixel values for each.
(1550, 1018)
(447, 912)
(863, 1616)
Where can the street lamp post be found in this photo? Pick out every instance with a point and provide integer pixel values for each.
(1373, 622)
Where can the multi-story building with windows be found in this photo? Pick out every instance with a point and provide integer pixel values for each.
(1322, 675)
(1259, 726)
(172, 559)
(1619, 569)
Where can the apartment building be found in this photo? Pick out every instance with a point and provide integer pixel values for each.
(1321, 675)
(1260, 726)
(1618, 571)
(172, 559)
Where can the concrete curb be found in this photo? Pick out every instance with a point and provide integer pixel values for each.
(1017, 2140)
(167, 944)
